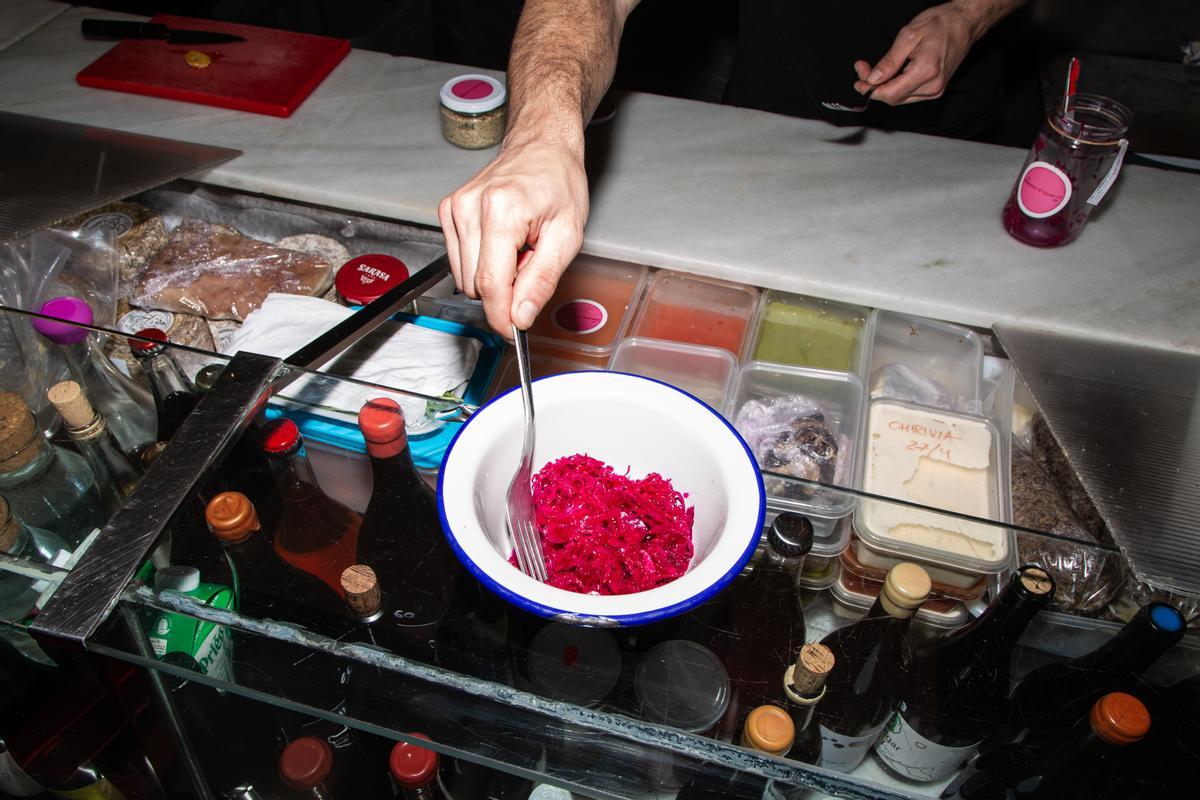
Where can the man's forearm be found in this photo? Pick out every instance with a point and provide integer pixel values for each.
(563, 58)
(986, 13)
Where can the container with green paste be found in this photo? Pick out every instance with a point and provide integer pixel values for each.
(809, 332)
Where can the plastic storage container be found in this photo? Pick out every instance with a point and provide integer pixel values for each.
(872, 565)
(804, 331)
(705, 372)
(924, 361)
(818, 573)
(852, 597)
(704, 311)
(541, 365)
(454, 308)
(591, 309)
(839, 395)
(938, 459)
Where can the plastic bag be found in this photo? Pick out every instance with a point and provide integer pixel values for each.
(902, 382)
(790, 435)
(215, 272)
(1050, 457)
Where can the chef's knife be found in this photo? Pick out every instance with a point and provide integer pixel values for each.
(124, 29)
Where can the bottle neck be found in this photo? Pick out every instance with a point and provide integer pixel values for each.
(1134, 648)
(294, 473)
(1000, 625)
(166, 376)
(32, 459)
(14, 536)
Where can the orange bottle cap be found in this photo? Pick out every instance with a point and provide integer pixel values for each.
(231, 517)
(1119, 718)
(382, 423)
(770, 729)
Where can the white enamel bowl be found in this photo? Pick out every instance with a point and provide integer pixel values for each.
(624, 421)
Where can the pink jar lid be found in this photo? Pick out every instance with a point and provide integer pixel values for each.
(70, 310)
(473, 94)
(365, 278)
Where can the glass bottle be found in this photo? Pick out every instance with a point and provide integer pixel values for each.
(305, 767)
(48, 486)
(174, 395)
(958, 690)
(804, 686)
(17, 592)
(115, 471)
(125, 404)
(1073, 160)
(313, 531)
(246, 468)
(414, 770)
(860, 695)
(401, 537)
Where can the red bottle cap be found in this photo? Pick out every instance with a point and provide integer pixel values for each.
(382, 423)
(280, 437)
(1120, 718)
(365, 278)
(305, 763)
(413, 767)
(138, 346)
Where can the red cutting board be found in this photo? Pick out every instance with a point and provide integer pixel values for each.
(269, 73)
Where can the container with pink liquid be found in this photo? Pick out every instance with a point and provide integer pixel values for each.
(1072, 164)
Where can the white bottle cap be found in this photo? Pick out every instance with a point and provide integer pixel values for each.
(176, 578)
(473, 94)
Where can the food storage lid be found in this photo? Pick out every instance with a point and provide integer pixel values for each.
(840, 398)
(803, 331)
(281, 438)
(682, 684)
(859, 595)
(141, 348)
(579, 665)
(705, 311)
(707, 373)
(365, 278)
(851, 562)
(770, 729)
(917, 437)
(473, 94)
(73, 312)
(231, 517)
(592, 305)
(305, 763)
(925, 361)
(176, 578)
(1119, 718)
(544, 791)
(413, 767)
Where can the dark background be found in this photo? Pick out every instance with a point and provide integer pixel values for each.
(684, 48)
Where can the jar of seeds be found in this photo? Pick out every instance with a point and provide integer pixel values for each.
(473, 111)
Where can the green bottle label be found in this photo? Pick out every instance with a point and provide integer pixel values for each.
(210, 644)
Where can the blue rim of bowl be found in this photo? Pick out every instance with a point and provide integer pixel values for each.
(623, 620)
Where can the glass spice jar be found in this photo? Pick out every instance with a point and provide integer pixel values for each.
(1070, 167)
(474, 113)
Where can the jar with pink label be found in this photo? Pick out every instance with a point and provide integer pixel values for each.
(1072, 164)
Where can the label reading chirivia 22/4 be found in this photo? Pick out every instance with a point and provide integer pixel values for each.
(910, 754)
(844, 753)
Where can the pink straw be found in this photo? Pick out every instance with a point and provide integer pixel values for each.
(1072, 80)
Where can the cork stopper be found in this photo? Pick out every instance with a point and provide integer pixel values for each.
(10, 527)
(906, 587)
(82, 420)
(813, 666)
(770, 729)
(1036, 580)
(19, 439)
(362, 589)
(1119, 718)
(231, 517)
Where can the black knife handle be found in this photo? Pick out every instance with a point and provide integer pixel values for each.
(122, 29)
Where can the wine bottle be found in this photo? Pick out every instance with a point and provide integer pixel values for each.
(306, 766)
(265, 585)
(313, 532)
(804, 686)
(401, 537)
(1167, 758)
(48, 487)
(245, 469)
(860, 694)
(1051, 697)
(958, 687)
(116, 474)
(414, 770)
(124, 403)
(174, 395)
(1088, 761)
(17, 592)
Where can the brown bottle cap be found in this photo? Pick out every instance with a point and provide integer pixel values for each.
(770, 729)
(1036, 580)
(231, 517)
(306, 763)
(362, 589)
(19, 438)
(813, 666)
(905, 588)
(10, 528)
(1119, 718)
(382, 423)
(68, 398)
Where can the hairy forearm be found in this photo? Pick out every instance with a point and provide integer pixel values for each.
(983, 14)
(563, 58)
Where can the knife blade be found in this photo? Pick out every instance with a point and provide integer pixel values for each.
(111, 29)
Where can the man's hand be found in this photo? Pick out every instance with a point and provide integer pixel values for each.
(928, 50)
(533, 194)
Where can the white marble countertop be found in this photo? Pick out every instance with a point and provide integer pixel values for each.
(22, 17)
(893, 220)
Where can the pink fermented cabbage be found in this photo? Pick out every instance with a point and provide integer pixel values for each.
(604, 533)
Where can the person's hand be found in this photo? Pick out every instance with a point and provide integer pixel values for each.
(925, 54)
(533, 194)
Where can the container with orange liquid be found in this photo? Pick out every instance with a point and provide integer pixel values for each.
(694, 310)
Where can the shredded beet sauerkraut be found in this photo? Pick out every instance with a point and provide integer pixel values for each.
(604, 533)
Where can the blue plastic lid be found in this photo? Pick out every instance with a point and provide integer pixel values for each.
(1166, 617)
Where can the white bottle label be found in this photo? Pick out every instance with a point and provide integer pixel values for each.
(842, 752)
(1106, 184)
(911, 755)
(13, 780)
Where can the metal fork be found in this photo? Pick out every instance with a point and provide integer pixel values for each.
(853, 109)
(520, 495)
